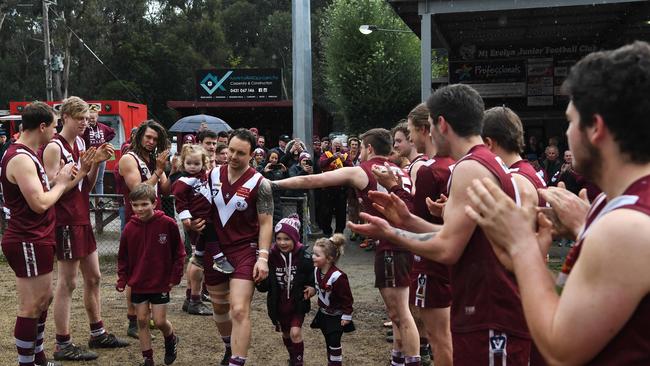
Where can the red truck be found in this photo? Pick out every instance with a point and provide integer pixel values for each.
(119, 115)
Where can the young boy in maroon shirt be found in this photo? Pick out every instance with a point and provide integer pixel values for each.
(150, 261)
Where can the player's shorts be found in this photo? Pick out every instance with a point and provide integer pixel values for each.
(74, 241)
(392, 268)
(156, 299)
(429, 291)
(242, 258)
(29, 259)
(490, 347)
(290, 318)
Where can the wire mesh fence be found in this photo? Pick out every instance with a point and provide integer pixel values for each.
(107, 218)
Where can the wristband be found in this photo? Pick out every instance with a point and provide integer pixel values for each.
(264, 259)
(263, 251)
(157, 175)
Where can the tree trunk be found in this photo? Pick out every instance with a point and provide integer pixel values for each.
(66, 68)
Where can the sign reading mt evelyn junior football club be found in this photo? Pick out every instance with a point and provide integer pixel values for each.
(239, 84)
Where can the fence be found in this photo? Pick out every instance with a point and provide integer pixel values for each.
(107, 213)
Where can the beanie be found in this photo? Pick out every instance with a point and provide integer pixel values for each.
(290, 226)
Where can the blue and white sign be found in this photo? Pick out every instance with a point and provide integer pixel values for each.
(239, 84)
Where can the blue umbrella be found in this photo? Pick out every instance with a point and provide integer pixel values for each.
(192, 123)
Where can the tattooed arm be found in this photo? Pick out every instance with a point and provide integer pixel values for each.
(265, 219)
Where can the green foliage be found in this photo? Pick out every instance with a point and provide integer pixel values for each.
(372, 80)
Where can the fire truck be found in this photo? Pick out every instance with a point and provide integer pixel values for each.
(119, 115)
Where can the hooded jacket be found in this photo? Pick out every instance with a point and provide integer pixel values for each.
(151, 255)
(298, 262)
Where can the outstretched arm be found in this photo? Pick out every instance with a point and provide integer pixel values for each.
(347, 176)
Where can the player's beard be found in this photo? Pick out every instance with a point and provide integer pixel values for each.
(587, 160)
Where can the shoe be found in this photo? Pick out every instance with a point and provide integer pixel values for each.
(389, 339)
(107, 340)
(73, 352)
(205, 296)
(49, 363)
(388, 324)
(389, 333)
(222, 265)
(199, 308)
(148, 362)
(170, 351)
(132, 330)
(197, 260)
(225, 361)
(186, 304)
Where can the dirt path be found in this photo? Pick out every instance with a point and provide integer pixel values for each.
(200, 344)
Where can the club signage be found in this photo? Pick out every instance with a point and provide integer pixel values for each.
(239, 84)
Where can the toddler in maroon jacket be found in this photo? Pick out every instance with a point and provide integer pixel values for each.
(335, 300)
(150, 261)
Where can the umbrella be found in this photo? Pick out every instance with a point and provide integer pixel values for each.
(192, 123)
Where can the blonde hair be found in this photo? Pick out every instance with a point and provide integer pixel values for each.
(332, 246)
(74, 106)
(190, 149)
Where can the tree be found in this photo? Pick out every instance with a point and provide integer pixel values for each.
(372, 80)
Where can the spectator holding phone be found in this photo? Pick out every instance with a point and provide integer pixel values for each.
(305, 166)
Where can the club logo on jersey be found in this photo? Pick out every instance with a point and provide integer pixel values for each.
(498, 344)
(278, 227)
(243, 192)
(162, 238)
(388, 259)
(241, 205)
(216, 187)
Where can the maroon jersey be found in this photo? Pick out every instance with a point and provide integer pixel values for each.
(404, 193)
(431, 182)
(419, 158)
(145, 173)
(151, 254)
(25, 225)
(334, 294)
(193, 198)
(484, 294)
(235, 206)
(73, 208)
(631, 346)
(98, 134)
(526, 170)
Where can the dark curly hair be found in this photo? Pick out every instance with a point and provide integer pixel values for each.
(136, 142)
(616, 85)
(461, 106)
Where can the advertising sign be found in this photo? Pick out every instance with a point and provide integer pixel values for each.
(502, 79)
(239, 84)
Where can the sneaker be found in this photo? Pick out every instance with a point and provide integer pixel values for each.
(388, 324)
(132, 330)
(389, 339)
(49, 363)
(170, 351)
(199, 308)
(225, 361)
(73, 352)
(222, 265)
(186, 304)
(205, 296)
(197, 260)
(107, 340)
(148, 362)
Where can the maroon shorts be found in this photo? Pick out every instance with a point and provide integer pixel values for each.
(74, 241)
(288, 316)
(428, 291)
(490, 347)
(29, 259)
(242, 257)
(392, 268)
